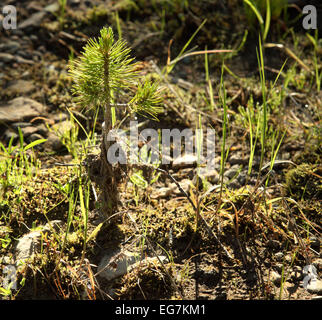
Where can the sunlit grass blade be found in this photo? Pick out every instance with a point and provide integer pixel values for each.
(268, 19)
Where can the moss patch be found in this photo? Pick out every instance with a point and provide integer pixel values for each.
(304, 181)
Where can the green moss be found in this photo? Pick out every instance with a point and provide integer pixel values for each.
(304, 181)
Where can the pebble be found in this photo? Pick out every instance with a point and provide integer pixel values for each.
(53, 142)
(28, 131)
(232, 172)
(210, 175)
(315, 286)
(34, 137)
(186, 160)
(33, 21)
(61, 128)
(29, 244)
(20, 109)
(116, 264)
(238, 159)
(279, 256)
(9, 134)
(162, 193)
(297, 273)
(276, 278)
(315, 243)
(274, 244)
(242, 177)
(10, 46)
(6, 57)
(318, 263)
(19, 87)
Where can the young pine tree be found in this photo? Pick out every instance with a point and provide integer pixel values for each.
(104, 71)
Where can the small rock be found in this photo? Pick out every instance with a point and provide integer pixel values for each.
(315, 243)
(29, 244)
(33, 21)
(162, 193)
(20, 125)
(9, 134)
(28, 131)
(186, 160)
(59, 117)
(34, 137)
(184, 184)
(232, 172)
(19, 109)
(274, 244)
(19, 87)
(61, 128)
(116, 264)
(238, 159)
(53, 142)
(242, 177)
(52, 8)
(279, 256)
(315, 286)
(317, 263)
(276, 278)
(297, 273)
(10, 46)
(6, 57)
(233, 185)
(24, 61)
(42, 129)
(210, 175)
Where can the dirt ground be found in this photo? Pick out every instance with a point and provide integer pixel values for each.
(249, 239)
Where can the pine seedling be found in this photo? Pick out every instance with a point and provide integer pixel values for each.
(104, 71)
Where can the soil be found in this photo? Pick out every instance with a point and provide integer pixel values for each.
(250, 240)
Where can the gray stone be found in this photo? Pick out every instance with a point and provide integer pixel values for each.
(33, 21)
(10, 46)
(242, 177)
(42, 129)
(163, 192)
(237, 158)
(116, 264)
(210, 175)
(184, 184)
(53, 142)
(9, 134)
(19, 87)
(6, 57)
(28, 131)
(61, 128)
(29, 244)
(315, 286)
(24, 61)
(274, 244)
(297, 273)
(230, 173)
(276, 278)
(20, 109)
(315, 243)
(20, 125)
(52, 8)
(186, 160)
(34, 137)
